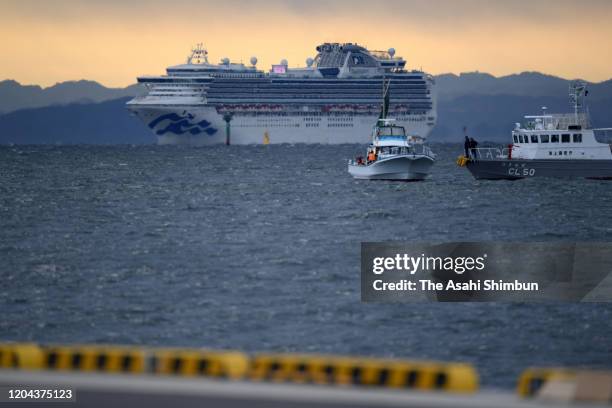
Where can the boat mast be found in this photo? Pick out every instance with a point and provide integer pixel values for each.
(385, 96)
(577, 92)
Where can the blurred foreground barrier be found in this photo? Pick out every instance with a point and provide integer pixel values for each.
(559, 384)
(289, 368)
(533, 379)
(321, 369)
(230, 364)
(21, 355)
(114, 359)
(125, 359)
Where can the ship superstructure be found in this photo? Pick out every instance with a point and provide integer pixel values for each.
(335, 98)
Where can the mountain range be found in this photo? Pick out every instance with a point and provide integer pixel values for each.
(87, 112)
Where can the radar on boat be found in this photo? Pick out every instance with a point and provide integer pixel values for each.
(225, 61)
(309, 62)
(391, 52)
(253, 61)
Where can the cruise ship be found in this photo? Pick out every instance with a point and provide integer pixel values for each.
(335, 98)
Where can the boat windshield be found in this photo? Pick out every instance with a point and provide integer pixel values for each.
(603, 135)
(391, 131)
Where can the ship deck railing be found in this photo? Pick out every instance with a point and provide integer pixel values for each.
(489, 153)
(413, 150)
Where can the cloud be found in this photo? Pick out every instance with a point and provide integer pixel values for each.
(113, 41)
(430, 11)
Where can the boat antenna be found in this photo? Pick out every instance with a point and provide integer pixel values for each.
(577, 92)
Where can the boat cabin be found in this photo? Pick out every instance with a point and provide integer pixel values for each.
(388, 134)
(560, 136)
(390, 140)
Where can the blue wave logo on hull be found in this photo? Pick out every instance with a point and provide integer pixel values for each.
(182, 124)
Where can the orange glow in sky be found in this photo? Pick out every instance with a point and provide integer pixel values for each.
(112, 42)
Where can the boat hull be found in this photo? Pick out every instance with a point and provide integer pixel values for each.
(403, 168)
(514, 169)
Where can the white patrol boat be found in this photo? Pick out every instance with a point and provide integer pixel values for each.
(393, 155)
(548, 145)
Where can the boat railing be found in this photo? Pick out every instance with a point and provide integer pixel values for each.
(489, 153)
(413, 150)
(422, 149)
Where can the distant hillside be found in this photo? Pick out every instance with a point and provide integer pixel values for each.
(94, 123)
(531, 84)
(14, 96)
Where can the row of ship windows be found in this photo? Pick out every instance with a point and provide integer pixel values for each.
(294, 125)
(330, 82)
(272, 87)
(199, 95)
(405, 116)
(422, 103)
(310, 88)
(263, 81)
(565, 138)
(560, 153)
(176, 91)
(365, 93)
(177, 85)
(346, 119)
(269, 125)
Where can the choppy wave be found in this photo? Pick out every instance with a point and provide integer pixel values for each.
(257, 248)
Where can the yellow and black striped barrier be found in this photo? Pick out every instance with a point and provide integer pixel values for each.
(113, 359)
(583, 385)
(234, 365)
(533, 379)
(21, 355)
(314, 369)
(125, 359)
(222, 364)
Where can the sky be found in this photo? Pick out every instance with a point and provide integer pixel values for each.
(114, 41)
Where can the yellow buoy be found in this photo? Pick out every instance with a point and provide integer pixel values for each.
(462, 161)
(266, 139)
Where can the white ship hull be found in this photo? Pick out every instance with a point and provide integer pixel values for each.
(203, 125)
(403, 168)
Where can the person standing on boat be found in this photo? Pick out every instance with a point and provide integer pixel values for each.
(473, 145)
(466, 146)
(371, 156)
